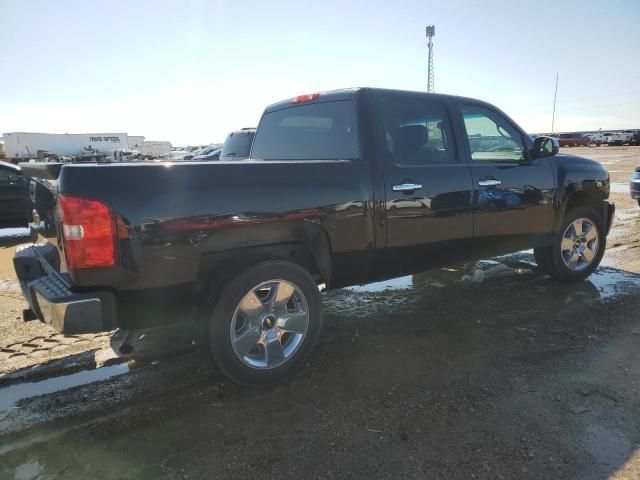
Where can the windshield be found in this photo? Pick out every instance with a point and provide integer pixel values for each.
(238, 145)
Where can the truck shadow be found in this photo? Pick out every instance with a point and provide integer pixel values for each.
(485, 368)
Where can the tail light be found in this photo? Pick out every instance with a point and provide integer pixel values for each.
(88, 232)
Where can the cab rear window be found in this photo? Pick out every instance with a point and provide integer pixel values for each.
(317, 131)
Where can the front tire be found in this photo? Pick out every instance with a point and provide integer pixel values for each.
(265, 323)
(577, 247)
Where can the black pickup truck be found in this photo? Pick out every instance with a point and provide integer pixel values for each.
(341, 188)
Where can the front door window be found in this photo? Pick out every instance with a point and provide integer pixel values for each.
(491, 138)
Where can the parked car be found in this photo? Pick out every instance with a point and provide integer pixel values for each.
(613, 138)
(238, 144)
(342, 188)
(573, 140)
(13, 196)
(635, 138)
(209, 156)
(600, 138)
(202, 151)
(634, 185)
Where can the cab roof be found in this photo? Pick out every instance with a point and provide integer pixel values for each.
(347, 93)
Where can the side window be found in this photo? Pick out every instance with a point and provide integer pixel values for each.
(417, 131)
(492, 138)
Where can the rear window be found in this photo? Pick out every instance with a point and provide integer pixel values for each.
(237, 145)
(565, 135)
(318, 131)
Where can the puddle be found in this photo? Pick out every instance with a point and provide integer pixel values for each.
(10, 396)
(610, 282)
(29, 470)
(608, 445)
(399, 283)
(14, 231)
(619, 188)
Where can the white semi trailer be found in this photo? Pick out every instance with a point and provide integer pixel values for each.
(135, 142)
(24, 145)
(155, 149)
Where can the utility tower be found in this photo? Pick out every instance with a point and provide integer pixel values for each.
(431, 32)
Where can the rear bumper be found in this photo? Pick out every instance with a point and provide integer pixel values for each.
(50, 294)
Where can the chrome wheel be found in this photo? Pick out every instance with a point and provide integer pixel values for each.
(269, 324)
(580, 244)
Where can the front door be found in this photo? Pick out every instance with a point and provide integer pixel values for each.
(428, 191)
(513, 193)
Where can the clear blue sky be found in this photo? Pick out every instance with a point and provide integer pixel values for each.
(190, 71)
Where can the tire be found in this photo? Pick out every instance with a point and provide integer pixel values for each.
(249, 337)
(559, 259)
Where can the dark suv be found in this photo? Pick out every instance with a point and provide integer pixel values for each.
(237, 146)
(573, 140)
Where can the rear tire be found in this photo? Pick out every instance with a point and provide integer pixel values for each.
(265, 323)
(577, 247)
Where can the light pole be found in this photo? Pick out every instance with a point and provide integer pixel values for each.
(555, 96)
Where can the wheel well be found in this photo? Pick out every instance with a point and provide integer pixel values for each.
(217, 270)
(585, 199)
(220, 266)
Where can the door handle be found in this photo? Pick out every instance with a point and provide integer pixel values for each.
(406, 187)
(489, 182)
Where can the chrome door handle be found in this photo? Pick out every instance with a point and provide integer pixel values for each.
(489, 182)
(406, 187)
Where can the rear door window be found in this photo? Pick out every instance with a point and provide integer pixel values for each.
(417, 130)
(317, 131)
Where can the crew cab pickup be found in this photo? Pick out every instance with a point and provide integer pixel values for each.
(341, 188)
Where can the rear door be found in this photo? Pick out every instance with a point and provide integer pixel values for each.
(428, 190)
(513, 194)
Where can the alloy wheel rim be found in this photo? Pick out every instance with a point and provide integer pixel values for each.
(269, 324)
(580, 244)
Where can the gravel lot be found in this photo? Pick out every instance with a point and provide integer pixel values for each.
(485, 370)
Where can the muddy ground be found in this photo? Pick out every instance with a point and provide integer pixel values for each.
(486, 370)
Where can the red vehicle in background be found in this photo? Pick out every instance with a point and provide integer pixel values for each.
(573, 140)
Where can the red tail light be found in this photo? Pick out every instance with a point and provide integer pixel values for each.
(305, 98)
(89, 232)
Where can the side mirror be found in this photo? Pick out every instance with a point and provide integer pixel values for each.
(545, 147)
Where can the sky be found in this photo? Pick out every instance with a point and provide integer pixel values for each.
(190, 71)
